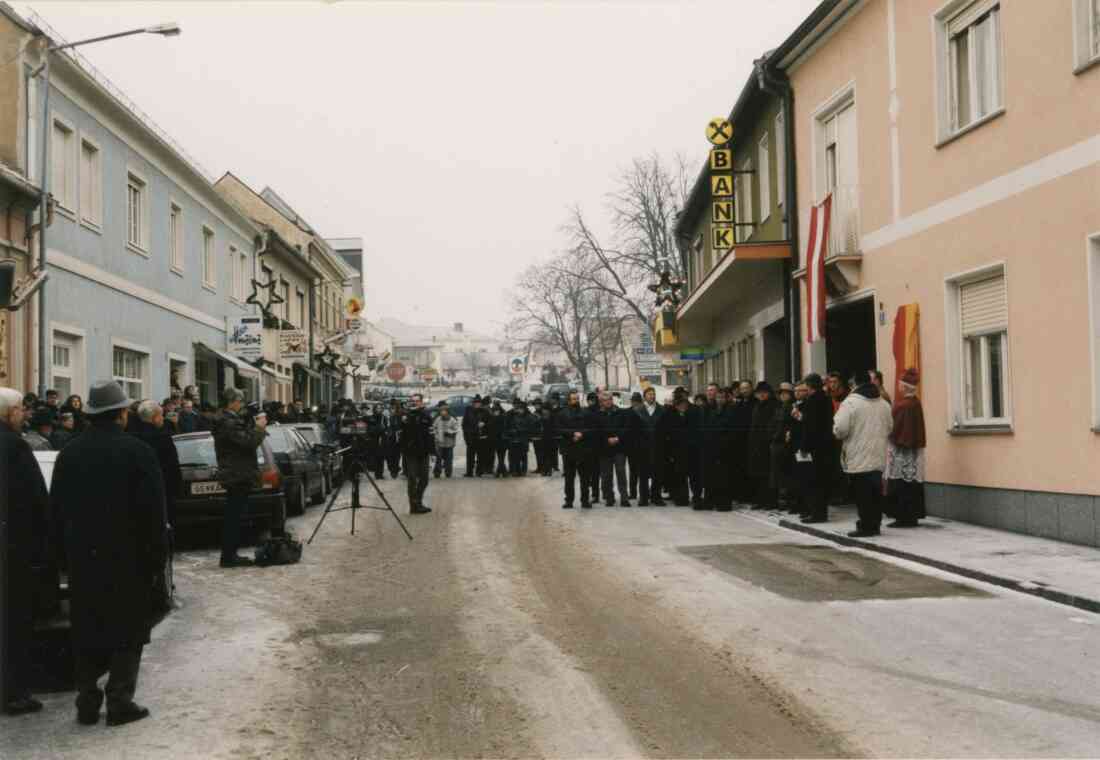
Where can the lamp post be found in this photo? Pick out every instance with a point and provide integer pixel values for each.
(165, 30)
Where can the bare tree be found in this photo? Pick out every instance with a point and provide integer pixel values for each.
(642, 209)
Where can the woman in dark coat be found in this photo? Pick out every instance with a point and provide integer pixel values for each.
(761, 434)
(108, 493)
(75, 405)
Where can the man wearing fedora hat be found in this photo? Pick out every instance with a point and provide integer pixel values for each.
(108, 494)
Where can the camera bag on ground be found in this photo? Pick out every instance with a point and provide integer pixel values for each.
(279, 550)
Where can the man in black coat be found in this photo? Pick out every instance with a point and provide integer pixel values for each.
(593, 452)
(470, 418)
(235, 442)
(612, 442)
(765, 428)
(716, 431)
(813, 455)
(108, 493)
(679, 432)
(418, 445)
(574, 427)
(151, 429)
(27, 538)
(647, 451)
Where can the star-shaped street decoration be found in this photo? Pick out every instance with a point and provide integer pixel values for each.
(326, 359)
(273, 298)
(667, 291)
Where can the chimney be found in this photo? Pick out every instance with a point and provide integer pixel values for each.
(458, 327)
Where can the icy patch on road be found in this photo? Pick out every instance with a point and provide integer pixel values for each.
(360, 638)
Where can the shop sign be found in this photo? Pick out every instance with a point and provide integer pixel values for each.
(245, 337)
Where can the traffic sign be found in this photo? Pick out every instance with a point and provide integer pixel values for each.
(396, 371)
(518, 365)
(719, 131)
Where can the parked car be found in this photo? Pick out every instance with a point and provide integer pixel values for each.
(529, 391)
(318, 436)
(202, 498)
(302, 468)
(562, 389)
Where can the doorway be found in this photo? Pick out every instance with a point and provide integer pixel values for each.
(850, 337)
(775, 353)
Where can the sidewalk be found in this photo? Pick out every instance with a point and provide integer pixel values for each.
(1061, 572)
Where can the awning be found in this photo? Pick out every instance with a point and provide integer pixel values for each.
(241, 366)
(275, 375)
(303, 367)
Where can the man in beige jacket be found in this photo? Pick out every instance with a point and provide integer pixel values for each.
(863, 424)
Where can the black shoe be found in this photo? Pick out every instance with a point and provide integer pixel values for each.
(643, 503)
(658, 502)
(567, 505)
(701, 507)
(22, 706)
(862, 533)
(811, 520)
(903, 524)
(624, 503)
(609, 503)
(88, 718)
(585, 505)
(129, 714)
(723, 509)
(419, 511)
(237, 561)
(467, 475)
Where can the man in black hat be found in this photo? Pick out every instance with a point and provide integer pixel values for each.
(108, 494)
(235, 442)
(470, 419)
(41, 428)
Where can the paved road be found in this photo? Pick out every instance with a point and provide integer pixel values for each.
(512, 628)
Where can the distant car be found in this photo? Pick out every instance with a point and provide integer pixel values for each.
(456, 404)
(202, 498)
(562, 389)
(317, 436)
(302, 468)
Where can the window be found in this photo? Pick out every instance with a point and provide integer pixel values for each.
(136, 210)
(763, 160)
(62, 367)
(301, 310)
(839, 175)
(746, 358)
(245, 276)
(208, 273)
(983, 392)
(743, 203)
(175, 237)
(780, 160)
(236, 283)
(1087, 31)
(969, 47)
(63, 161)
(284, 307)
(129, 371)
(91, 184)
(697, 261)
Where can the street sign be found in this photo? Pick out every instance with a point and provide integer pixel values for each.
(353, 325)
(648, 365)
(695, 353)
(245, 337)
(719, 131)
(517, 365)
(396, 371)
(292, 344)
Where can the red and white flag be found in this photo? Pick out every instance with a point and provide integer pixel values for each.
(816, 250)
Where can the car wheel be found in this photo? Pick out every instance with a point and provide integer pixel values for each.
(296, 500)
(322, 492)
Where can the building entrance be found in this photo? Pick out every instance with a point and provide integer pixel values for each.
(775, 353)
(850, 337)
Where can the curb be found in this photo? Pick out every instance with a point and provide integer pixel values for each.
(1044, 592)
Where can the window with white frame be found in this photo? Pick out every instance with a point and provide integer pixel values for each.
(175, 237)
(245, 275)
(234, 270)
(137, 207)
(1086, 32)
(63, 162)
(129, 371)
(780, 160)
(743, 204)
(284, 291)
(982, 331)
(970, 63)
(839, 174)
(91, 184)
(63, 364)
(300, 312)
(764, 161)
(746, 358)
(208, 263)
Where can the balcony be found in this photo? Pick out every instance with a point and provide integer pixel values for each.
(845, 256)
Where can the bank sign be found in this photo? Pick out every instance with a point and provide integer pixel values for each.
(244, 337)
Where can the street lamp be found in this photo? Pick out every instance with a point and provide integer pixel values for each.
(164, 30)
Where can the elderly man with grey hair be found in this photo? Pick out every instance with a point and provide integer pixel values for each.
(24, 492)
(150, 428)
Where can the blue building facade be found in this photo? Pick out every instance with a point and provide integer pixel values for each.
(147, 261)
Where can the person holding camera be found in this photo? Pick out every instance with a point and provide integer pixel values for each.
(418, 445)
(236, 438)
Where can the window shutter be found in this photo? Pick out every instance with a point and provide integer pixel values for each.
(966, 17)
(984, 306)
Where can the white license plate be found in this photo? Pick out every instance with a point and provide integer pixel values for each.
(201, 489)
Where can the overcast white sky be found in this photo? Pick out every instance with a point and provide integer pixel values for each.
(451, 136)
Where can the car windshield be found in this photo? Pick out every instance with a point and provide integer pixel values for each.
(279, 440)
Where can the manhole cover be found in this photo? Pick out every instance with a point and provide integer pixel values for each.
(813, 573)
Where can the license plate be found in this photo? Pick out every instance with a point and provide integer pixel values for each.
(202, 489)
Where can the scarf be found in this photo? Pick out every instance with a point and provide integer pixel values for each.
(908, 424)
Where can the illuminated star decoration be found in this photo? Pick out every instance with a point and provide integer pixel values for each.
(326, 359)
(667, 291)
(348, 367)
(273, 298)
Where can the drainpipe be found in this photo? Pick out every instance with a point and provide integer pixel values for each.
(778, 85)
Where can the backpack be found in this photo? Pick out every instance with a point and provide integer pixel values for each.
(279, 550)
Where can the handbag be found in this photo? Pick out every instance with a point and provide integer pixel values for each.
(279, 550)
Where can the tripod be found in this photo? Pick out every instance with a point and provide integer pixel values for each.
(354, 472)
